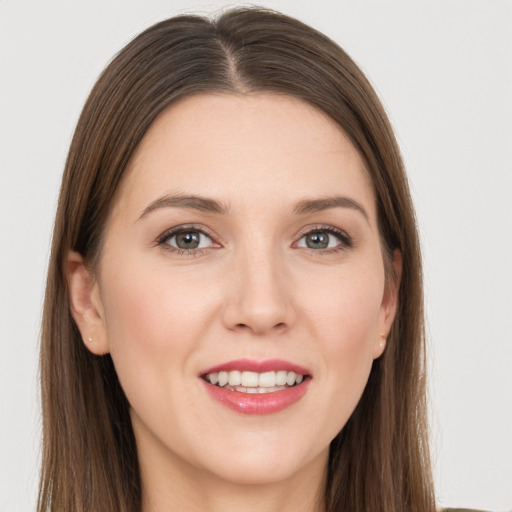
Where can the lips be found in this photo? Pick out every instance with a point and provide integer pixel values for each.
(256, 387)
(250, 365)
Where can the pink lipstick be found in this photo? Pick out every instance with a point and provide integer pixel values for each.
(256, 387)
(267, 365)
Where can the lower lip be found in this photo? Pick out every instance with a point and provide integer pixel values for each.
(258, 403)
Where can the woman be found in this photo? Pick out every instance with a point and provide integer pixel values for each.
(233, 316)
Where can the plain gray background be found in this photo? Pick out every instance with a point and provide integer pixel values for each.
(443, 70)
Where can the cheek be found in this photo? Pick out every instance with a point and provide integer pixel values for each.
(344, 319)
(346, 308)
(154, 320)
(152, 308)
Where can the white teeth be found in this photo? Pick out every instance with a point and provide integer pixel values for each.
(267, 380)
(281, 378)
(250, 379)
(271, 389)
(252, 382)
(235, 378)
(223, 378)
(243, 389)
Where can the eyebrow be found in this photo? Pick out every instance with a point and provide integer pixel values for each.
(188, 202)
(205, 204)
(317, 205)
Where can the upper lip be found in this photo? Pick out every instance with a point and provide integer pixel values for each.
(250, 365)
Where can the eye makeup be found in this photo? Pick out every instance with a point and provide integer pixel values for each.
(323, 237)
(198, 239)
(194, 240)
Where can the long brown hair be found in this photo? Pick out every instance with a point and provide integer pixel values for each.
(380, 460)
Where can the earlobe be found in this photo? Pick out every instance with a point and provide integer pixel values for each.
(389, 305)
(86, 305)
(379, 346)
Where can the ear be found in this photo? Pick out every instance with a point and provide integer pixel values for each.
(388, 306)
(86, 305)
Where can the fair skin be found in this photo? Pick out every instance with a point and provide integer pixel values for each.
(274, 266)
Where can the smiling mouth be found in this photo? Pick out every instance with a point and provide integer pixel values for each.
(257, 387)
(253, 382)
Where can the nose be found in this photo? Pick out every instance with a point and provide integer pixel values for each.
(261, 296)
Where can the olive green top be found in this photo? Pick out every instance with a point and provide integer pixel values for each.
(461, 510)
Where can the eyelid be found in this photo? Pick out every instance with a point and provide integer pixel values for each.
(346, 240)
(176, 230)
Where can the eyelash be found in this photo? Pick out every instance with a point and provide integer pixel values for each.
(163, 239)
(345, 241)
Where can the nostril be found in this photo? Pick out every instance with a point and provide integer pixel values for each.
(281, 326)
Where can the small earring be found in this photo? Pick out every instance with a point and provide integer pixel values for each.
(90, 340)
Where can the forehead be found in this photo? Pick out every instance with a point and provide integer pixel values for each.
(243, 147)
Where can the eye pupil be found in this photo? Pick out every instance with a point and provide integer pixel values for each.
(187, 240)
(317, 240)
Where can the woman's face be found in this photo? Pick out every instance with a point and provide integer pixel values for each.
(242, 246)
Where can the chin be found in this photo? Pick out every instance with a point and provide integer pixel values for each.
(257, 469)
(262, 459)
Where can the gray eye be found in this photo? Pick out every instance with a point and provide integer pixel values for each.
(321, 239)
(317, 240)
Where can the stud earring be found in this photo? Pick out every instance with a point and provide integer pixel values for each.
(90, 340)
